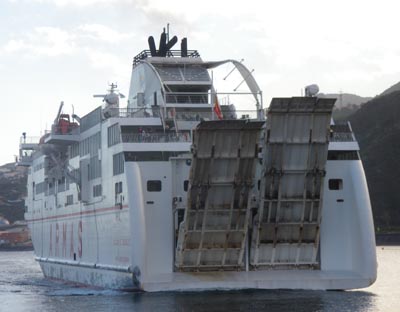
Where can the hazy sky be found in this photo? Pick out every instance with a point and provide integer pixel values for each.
(54, 50)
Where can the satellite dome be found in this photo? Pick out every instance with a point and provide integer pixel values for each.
(112, 99)
(312, 90)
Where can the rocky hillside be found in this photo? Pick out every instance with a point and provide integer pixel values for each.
(377, 128)
(12, 191)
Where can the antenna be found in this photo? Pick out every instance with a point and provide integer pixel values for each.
(59, 112)
(234, 67)
(167, 32)
(113, 87)
(113, 90)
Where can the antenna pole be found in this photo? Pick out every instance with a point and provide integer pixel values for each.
(244, 80)
(167, 32)
(212, 95)
(234, 67)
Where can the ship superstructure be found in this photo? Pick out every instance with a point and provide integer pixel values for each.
(176, 192)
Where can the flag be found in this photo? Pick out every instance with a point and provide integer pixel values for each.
(217, 109)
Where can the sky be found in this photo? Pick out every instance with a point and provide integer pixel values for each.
(68, 50)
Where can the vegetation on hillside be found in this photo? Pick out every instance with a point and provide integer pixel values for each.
(377, 128)
(12, 192)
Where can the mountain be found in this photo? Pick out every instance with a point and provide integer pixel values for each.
(346, 104)
(12, 191)
(394, 88)
(345, 99)
(377, 128)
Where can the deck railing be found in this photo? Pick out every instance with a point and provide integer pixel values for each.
(179, 98)
(184, 114)
(342, 137)
(192, 106)
(170, 53)
(342, 132)
(29, 140)
(155, 137)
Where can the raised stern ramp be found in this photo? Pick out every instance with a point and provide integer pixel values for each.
(214, 232)
(286, 227)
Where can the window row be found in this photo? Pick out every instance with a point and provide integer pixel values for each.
(38, 167)
(113, 135)
(40, 187)
(74, 150)
(97, 190)
(70, 200)
(118, 163)
(343, 155)
(94, 168)
(90, 145)
(49, 188)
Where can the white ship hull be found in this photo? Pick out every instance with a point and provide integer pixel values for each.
(149, 198)
(282, 279)
(347, 251)
(87, 274)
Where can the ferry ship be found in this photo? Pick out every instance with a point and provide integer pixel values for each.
(180, 189)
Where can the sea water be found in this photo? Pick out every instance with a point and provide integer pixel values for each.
(23, 288)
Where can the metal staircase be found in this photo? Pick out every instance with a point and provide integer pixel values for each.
(286, 227)
(214, 232)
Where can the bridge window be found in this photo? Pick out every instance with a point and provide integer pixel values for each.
(94, 168)
(70, 200)
(118, 188)
(154, 186)
(97, 190)
(74, 150)
(113, 135)
(118, 163)
(343, 155)
(90, 145)
(40, 187)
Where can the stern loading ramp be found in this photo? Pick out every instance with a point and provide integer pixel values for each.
(231, 225)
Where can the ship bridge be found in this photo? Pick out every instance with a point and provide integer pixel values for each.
(176, 86)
